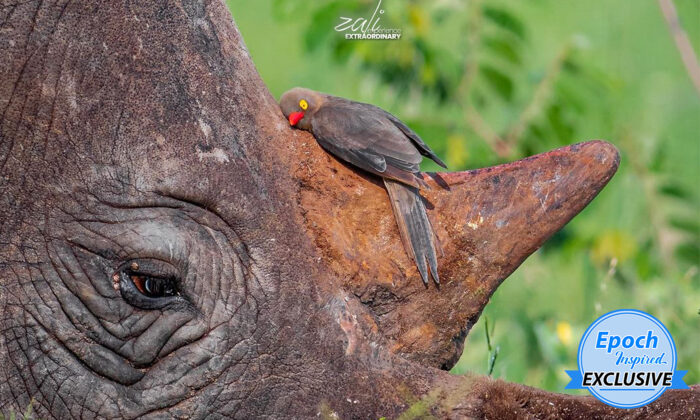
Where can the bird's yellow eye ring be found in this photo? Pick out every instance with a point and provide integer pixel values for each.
(303, 104)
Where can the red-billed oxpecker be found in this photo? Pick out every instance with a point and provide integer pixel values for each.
(378, 142)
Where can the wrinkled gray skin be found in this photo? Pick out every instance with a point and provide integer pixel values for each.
(140, 132)
(135, 133)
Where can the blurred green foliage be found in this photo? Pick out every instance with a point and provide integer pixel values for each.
(484, 82)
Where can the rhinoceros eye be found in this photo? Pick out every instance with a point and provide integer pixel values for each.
(154, 286)
(147, 284)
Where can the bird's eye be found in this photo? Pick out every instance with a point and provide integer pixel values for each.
(303, 104)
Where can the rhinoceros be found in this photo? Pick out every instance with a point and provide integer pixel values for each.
(170, 248)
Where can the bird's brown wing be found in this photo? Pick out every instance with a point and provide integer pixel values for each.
(367, 139)
(418, 142)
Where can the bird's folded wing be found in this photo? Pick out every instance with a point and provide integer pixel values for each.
(364, 137)
(417, 141)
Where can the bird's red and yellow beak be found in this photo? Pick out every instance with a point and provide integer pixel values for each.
(295, 117)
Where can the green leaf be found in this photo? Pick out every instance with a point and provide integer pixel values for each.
(320, 28)
(505, 20)
(502, 48)
(676, 191)
(688, 225)
(689, 251)
(658, 158)
(499, 81)
(569, 96)
(560, 126)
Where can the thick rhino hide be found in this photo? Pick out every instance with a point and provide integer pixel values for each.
(138, 142)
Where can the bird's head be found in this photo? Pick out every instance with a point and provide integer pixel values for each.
(297, 103)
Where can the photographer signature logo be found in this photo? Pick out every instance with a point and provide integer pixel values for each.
(363, 28)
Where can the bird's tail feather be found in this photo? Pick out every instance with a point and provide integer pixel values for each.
(415, 228)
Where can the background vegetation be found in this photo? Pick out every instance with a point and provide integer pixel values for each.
(484, 82)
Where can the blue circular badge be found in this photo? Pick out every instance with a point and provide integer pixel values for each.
(626, 359)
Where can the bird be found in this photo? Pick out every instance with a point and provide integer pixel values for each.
(375, 141)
